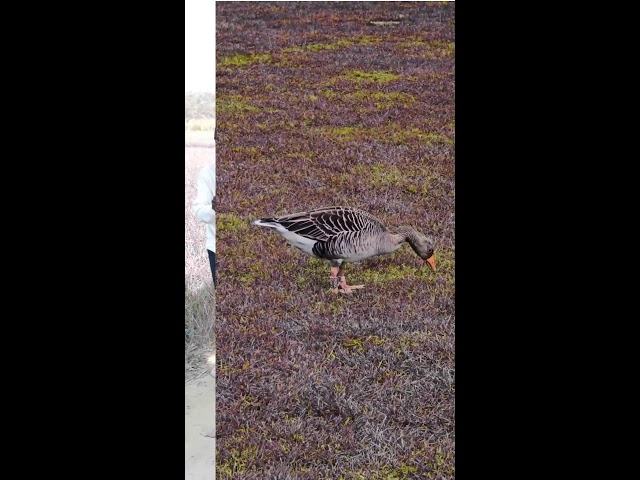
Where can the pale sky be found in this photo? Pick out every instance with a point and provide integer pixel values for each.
(199, 45)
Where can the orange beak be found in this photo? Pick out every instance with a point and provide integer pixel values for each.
(432, 261)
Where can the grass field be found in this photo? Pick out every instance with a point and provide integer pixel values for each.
(317, 107)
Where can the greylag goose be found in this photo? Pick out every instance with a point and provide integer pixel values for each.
(343, 235)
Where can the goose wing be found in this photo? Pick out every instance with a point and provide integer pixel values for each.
(325, 223)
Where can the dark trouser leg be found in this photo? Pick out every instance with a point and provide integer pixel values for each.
(212, 263)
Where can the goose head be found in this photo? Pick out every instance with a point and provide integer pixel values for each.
(424, 247)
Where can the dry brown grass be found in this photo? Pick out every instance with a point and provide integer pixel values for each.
(199, 300)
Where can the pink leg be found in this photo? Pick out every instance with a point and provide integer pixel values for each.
(346, 288)
(334, 279)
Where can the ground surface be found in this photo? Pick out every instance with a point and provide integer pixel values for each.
(316, 107)
(199, 424)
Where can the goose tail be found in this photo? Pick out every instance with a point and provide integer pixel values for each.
(267, 222)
